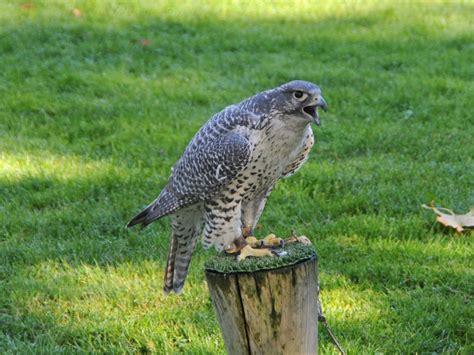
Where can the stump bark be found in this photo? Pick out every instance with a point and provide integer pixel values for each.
(268, 312)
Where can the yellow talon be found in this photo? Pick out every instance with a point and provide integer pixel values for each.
(271, 240)
(231, 248)
(252, 241)
(251, 246)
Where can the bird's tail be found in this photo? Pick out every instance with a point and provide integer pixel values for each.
(165, 204)
(169, 271)
(183, 241)
(179, 257)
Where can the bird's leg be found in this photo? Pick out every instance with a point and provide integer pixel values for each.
(240, 242)
(247, 232)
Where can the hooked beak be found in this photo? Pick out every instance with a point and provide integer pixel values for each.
(322, 103)
(312, 110)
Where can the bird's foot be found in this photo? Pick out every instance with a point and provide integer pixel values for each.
(268, 242)
(247, 251)
(271, 240)
(236, 246)
(259, 248)
(251, 246)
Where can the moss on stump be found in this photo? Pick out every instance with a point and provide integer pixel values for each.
(228, 264)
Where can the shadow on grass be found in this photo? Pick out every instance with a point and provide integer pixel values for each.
(66, 236)
(70, 270)
(89, 304)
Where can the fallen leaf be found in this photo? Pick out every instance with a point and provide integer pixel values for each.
(145, 42)
(450, 219)
(76, 12)
(26, 6)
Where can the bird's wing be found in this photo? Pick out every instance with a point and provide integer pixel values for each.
(204, 170)
(214, 157)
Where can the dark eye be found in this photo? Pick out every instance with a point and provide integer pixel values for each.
(300, 95)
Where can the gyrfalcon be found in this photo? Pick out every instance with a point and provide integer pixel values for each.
(222, 181)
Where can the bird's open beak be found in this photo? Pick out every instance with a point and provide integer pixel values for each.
(312, 110)
(322, 103)
(324, 106)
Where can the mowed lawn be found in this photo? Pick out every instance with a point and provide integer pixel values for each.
(96, 105)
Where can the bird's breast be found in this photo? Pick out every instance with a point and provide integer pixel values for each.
(273, 150)
(277, 143)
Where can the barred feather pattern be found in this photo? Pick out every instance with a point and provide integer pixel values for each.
(186, 227)
(224, 177)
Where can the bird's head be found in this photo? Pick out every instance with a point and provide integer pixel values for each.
(300, 99)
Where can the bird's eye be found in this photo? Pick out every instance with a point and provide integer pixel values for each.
(300, 95)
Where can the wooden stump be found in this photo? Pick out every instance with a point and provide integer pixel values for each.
(271, 311)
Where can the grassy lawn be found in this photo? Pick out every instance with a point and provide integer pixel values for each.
(95, 109)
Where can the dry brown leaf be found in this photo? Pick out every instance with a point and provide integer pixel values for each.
(26, 6)
(450, 219)
(76, 12)
(145, 42)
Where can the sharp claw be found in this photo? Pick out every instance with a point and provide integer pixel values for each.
(236, 246)
(231, 248)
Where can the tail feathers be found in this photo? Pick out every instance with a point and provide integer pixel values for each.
(139, 218)
(179, 258)
(166, 203)
(169, 272)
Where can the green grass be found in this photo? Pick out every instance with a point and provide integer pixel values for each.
(91, 121)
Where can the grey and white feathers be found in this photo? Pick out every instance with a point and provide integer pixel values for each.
(222, 181)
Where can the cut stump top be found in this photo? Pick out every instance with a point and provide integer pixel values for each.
(228, 264)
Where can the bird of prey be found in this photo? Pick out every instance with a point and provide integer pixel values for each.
(222, 181)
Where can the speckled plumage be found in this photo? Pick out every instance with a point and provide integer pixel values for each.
(222, 181)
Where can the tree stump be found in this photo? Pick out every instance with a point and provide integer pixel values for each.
(267, 305)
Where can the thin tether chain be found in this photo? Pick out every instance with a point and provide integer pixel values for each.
(322, 319)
